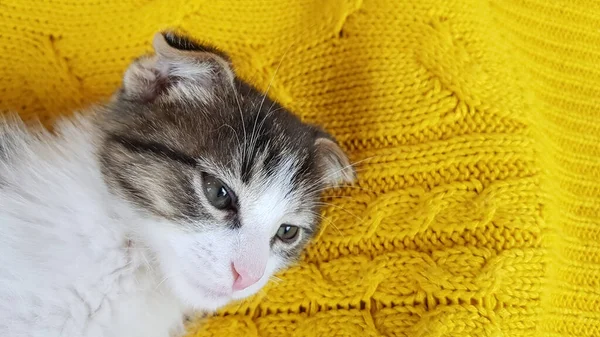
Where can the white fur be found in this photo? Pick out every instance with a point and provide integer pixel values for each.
(77, 261)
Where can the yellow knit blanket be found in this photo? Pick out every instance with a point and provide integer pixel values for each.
(476, 126)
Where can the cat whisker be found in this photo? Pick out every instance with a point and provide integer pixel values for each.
(338, 197)
(253, 136)
(242, 149)
(360, 188)
(234, 132)
(267, 115)
(147, 263)
(161, 282)
(343, 209)
(275, 279)
(330, 222)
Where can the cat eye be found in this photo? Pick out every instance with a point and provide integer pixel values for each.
(217, 193)
(287, 233)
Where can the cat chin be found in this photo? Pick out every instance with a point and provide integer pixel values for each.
(203, 298)
(199, 297)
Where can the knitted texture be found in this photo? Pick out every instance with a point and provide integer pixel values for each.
(475, 125)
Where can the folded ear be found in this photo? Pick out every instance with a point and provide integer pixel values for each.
(336, 166)
(180, 68)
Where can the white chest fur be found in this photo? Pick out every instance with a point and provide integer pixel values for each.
(67, 267)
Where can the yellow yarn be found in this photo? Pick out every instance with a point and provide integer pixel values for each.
(477, 124)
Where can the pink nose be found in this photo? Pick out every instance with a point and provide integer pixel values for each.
(243, 279)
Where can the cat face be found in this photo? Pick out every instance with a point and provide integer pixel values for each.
(230, 178)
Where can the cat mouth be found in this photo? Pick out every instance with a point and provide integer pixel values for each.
(212, 292)
(209, 291)
(215, 293)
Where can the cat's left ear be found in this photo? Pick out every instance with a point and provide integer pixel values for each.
(337, 169)
(179, 67)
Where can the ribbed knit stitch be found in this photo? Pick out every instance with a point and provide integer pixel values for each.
(475, 125)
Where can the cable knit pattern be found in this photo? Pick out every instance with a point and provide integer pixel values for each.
(475, 126)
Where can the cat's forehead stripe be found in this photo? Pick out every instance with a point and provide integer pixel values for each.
(248, 163)
(264, 156)
(275, 166)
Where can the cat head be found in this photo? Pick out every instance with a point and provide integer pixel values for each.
(231, 179)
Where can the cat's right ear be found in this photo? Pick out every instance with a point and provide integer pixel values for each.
(179, 68)
(335, 165)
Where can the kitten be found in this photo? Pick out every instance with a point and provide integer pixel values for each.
(186, 191)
